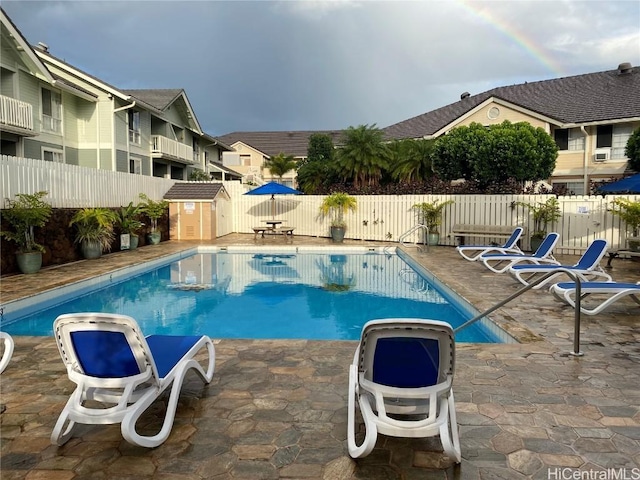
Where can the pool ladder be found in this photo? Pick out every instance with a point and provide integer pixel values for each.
(419, 226)
(577, 308)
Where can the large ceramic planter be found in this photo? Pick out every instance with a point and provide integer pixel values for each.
(433, 239)
(30, 262)
(91, 250)
(133, 242)
(154, 238)
(337, 234)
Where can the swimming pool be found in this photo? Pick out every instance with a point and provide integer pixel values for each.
(245, 293)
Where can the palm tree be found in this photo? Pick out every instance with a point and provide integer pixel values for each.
(280, 164)
(364, 156)
(411, 160)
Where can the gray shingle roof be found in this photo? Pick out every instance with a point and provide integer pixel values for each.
(194, 191)
(592, 97)
(159, 98)
(272, 143)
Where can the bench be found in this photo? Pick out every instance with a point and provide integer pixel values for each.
(286, 231)
(262, 230)
(462, 230)
(624, 252)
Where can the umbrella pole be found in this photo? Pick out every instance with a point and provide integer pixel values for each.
(273, 207)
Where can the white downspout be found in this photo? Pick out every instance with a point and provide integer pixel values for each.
(585, 159)
(114, 165)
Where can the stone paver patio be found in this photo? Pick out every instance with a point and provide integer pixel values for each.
(277, 408)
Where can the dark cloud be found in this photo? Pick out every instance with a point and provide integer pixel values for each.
(310, 65)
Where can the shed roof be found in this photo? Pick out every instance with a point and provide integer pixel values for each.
(195, 191)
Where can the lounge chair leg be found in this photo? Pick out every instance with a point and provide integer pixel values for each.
(371, 432)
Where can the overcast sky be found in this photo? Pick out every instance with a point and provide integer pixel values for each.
(314, 65)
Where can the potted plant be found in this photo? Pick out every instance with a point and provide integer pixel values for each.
(129, 223)
(336, 206)
(154, 210)
(430, 215)
(629, 212)
(24, 214)
(544, 214)
(94, 230)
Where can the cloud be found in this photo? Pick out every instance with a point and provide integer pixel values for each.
(310, 65)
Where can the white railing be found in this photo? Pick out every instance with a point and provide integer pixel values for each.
(16, 113)
(163, 146)
(377, 218)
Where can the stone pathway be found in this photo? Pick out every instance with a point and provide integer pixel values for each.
(277, 409)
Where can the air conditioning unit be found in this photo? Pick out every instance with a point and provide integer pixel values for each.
(601, 155)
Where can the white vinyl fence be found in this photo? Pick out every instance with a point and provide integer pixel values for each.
(378, 217)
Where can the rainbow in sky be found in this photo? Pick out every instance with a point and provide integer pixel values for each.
(520, 38)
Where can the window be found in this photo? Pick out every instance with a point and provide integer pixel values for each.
(605, 134)
(571, 188)
(51, 155)
(621, 135)
(135, 165)
(51, 111)
(614, 137)
(245, 160)
(569, 139)
(196, 150)
(134, 127)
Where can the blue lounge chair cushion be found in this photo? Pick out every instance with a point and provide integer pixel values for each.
(104, 354)
(168, 350)
(406, 362)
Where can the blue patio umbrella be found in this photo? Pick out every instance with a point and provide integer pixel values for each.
(626, 185)
(273, 189)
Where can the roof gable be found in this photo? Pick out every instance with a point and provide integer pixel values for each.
(162, 99)
(13, 38)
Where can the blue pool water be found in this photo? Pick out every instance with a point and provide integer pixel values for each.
(257, 295)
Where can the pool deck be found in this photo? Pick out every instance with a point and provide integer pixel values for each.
(277, 409)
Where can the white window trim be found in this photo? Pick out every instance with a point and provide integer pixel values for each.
(137, 165)
(55, 152)
(51, 124)
(134, 134)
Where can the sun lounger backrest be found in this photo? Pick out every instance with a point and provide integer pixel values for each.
(407, 354)
(406, 362)
(513, 239)
(592, 256)
(103, 346)
(104, 354)
(547, 245)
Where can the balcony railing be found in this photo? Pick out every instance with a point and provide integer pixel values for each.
(163, 147)
(15, 113)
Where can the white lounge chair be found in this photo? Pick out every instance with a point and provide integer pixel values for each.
(474, 252)
(501, 262)
(587, 268)
(614, 291)
(111, 362)
(401, 378)
(8, 350)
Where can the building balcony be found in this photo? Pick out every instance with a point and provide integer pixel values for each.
(16, 117)
(163, 147)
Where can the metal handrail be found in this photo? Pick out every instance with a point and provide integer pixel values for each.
(576, 328)
(413, 229)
